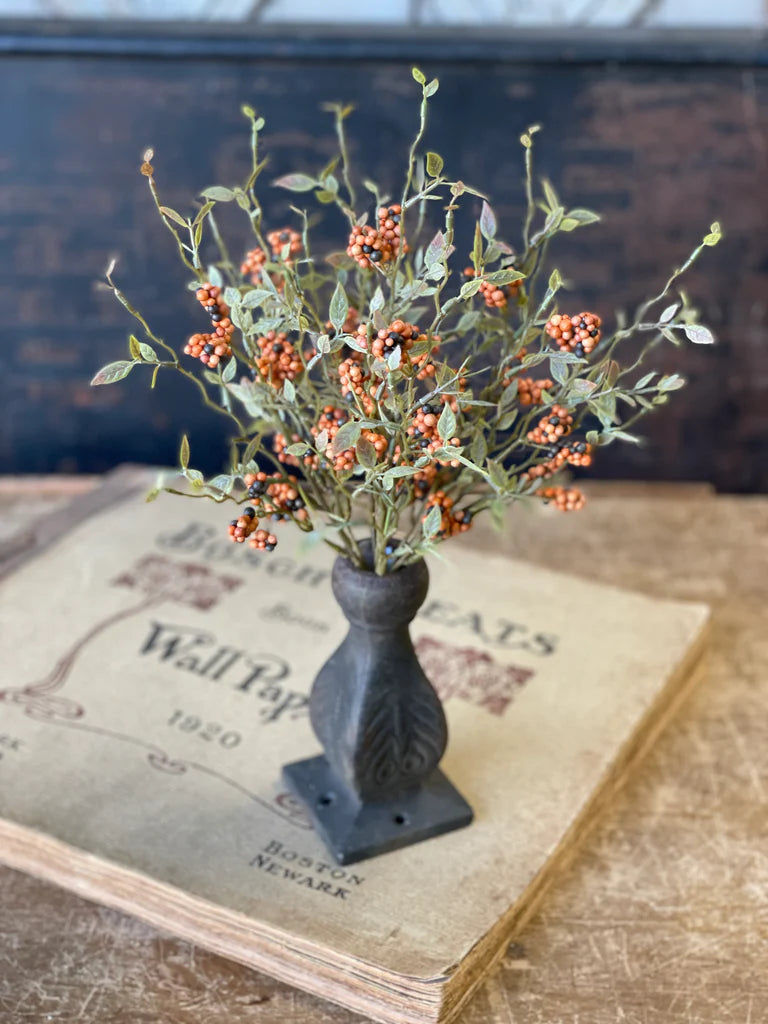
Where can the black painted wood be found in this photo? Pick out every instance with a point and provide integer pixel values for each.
(660, 146)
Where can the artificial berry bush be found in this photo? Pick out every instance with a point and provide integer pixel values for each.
(390, 389)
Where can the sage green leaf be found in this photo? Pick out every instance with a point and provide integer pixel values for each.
(229, 371)
(446, 425)
(339, 307)
(295, 182)
(113, 372)
(218, 193)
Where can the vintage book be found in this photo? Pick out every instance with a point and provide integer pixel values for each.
(155, 679)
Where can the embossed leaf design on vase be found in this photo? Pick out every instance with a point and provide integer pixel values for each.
(381, 724)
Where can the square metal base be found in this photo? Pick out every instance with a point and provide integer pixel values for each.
(354, 831)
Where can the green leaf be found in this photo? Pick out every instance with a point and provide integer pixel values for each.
(339, 307)
(253, 446)
(622, 435)
(218, 193)
(507, 420)
(699, 334)
(324, 196)
(432, 523)
(673, 383)
(487, 222)
(214, 276)
(479, 448)
(377, 302)
(224, 482)
(714, 236)
(366, 453)
(646, 379)
(418, 76)
(172, 215)
(147, 353)
(434, 164)
(255, 298)
(184, 452)
(550, 194)
(555, 281)
(134, 347)
(497, 474)
(346, 436)
(669, 312)
(229, 371)
(151, 495)
(432, 88)
(299, 450)
(581, 388)
(113, 372)
(433, 254)
(469, 288)
(559, 368)
(296, 182)
(394, 357)
(506, 276)
(446, 425)
(577, 219)
(397, 472)
(289, 391)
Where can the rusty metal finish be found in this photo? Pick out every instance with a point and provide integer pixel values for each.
(661, 150)
(659, 919)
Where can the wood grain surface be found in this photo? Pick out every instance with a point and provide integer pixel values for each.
(661, 918)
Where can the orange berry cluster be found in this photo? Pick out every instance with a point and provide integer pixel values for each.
(423, 430)
(331, 420)
(355, 381)
(565, 499)
(285, 500)
(277, 497)
(452, 520)
(529, 390)
(212, 348)
(573, 453)
(279, 360)
(496, 296)
(285, 236)
(253, 265)
(246, 527)
(556, 424)
(386, 340)
(389, 225)
(368, 247)
(578, 334)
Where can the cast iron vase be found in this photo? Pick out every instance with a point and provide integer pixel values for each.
(383, 730)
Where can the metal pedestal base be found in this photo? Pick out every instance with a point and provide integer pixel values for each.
(353, 831)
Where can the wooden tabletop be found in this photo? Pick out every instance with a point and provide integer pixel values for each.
(660, 918)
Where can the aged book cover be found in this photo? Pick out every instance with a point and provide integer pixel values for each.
(155, 679)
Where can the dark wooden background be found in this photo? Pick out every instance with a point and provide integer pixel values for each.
(661, 135)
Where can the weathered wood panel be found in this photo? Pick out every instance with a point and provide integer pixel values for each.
(660, 149)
